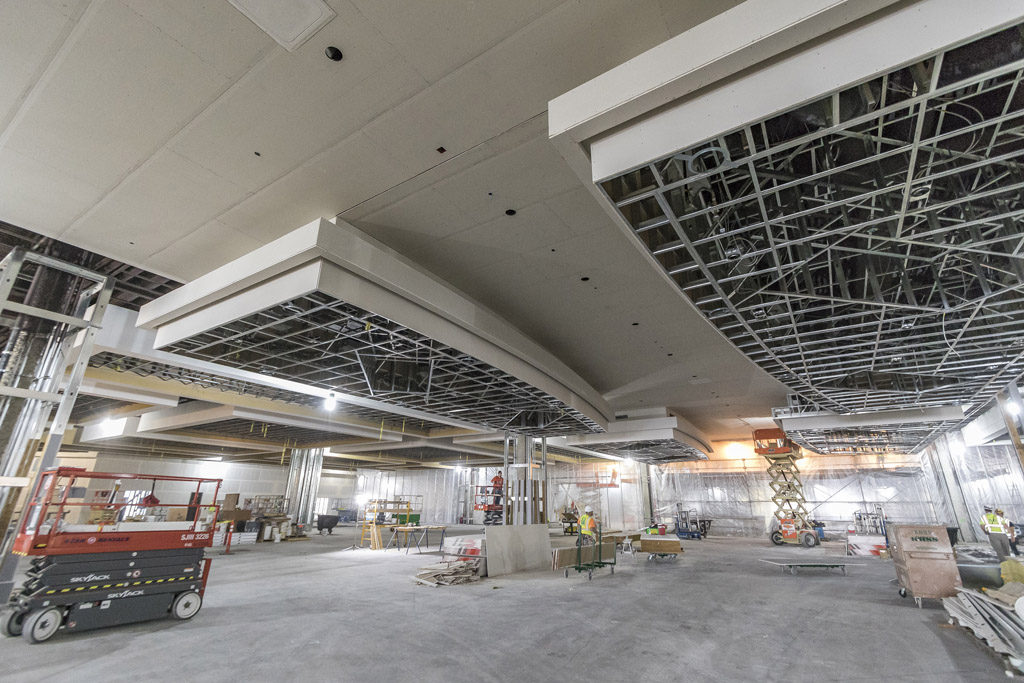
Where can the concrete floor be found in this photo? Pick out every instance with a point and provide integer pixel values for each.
(310, 611)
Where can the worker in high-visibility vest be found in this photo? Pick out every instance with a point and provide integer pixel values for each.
(995, 526)
(588, 526)
(1012, 533)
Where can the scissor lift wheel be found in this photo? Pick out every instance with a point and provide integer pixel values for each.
(42, 624)
(11, 623)
(186, 605)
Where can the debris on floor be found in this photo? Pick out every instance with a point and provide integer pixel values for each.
(449, 573)
(992, 619)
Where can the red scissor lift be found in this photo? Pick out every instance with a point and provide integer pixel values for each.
(109, 568)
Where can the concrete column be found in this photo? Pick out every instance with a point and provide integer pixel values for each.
(644, 470)
(303, 482)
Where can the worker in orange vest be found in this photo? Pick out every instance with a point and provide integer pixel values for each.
(498, 484)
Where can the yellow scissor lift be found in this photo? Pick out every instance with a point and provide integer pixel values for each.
(787, 488)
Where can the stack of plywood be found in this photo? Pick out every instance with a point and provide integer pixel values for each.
(566, 557)
(661, 546)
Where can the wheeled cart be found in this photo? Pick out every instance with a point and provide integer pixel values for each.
(924, 560)
(101, 562)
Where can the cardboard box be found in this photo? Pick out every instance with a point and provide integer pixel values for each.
(233, 515)
(102, 516)
(177, 514)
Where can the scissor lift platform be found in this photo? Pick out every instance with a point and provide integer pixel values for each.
(91, 575)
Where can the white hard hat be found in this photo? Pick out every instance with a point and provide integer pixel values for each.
(588, 509)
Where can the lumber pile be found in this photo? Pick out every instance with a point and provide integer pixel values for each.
(449, 573)
(659, 545)
(566, 557)
(991, 617)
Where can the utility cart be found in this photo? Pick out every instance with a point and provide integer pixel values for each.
(102, 554)
(689, 524)
(924, 560)
(590, 557)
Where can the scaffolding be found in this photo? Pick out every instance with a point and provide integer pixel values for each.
(375, 514)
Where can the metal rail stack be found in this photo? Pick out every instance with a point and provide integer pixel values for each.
(111, 567)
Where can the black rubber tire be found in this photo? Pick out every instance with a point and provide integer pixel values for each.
(186, 605)
(776, 537)
(567, 573)
(903, 592)
(11, 623)
(590, 575)
(42, 624)
(809, 540)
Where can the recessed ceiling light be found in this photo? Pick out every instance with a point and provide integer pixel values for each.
(257, 154)
(510, 212)
(635, 324)
(584, 278)
(333, 54)
(441, 150)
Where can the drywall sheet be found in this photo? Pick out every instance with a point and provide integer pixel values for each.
(513, 549)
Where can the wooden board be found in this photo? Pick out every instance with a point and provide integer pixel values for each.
(659, 545)
(566, 557)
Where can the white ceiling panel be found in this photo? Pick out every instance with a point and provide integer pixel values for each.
(426, 214)
(160, 203)
(575, 42)
(129, 86)
(527, 174)
(295, 105)
(682, 15)
(439, 36)
(30, 34)
(201, 251)
(347, 173)
(211, 30)
(38, 197)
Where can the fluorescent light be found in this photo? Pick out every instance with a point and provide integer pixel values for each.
(1013, 408)
(330, 403)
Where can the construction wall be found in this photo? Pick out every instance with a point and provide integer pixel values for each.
(443, 491)
(739, 502)
(978, 476)
(613, 489)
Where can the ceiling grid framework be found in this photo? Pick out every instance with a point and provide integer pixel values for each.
(323, 342)
(864, 248)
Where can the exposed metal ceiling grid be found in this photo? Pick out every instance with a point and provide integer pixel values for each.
(167, 372)
(274, 434)
(89, 408)
(132, 286)
(322, 342)
(866, 248)
(652, 452)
